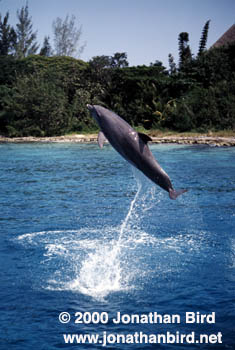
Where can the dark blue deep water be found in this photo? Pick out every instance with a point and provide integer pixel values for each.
(81, 231)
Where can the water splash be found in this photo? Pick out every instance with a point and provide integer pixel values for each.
(129, 214)
(105, 269)
(100, 273)
(97, 262)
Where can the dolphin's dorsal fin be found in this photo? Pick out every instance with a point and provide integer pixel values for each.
(145, 138)
(101, 139)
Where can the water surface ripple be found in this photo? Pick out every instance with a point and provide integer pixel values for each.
(81, 230)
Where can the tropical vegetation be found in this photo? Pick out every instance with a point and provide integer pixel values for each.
(45, 93)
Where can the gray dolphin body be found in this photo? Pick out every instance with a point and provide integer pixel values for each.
(132, 146)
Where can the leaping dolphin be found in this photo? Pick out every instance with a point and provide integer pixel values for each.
(132, 146)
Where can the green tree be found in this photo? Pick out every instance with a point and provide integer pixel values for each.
(43, 96)
(136, 92)
(204, 36)
(99, 73)
(99, 63)
(185, 55)
(67, 37)
(119, 60)
(172, 64)
(46, 49)
(37, 106)
(26, 38)
(7, 36)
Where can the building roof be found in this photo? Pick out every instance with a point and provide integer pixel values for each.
(227, 38)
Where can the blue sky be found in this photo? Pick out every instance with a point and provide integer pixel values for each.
(147, 30)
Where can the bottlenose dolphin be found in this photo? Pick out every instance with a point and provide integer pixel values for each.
(132, 146)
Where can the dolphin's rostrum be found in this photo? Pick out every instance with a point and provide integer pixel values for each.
(132, 146)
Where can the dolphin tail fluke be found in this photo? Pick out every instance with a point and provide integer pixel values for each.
(175, 193)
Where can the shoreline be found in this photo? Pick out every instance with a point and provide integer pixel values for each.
(92, 138)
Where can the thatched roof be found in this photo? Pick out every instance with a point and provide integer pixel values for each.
(227, 38)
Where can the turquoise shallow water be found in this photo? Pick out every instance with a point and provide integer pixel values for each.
(81, 231)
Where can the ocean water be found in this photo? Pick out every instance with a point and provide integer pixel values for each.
(83, 233)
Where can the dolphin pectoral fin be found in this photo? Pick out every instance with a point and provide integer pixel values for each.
(101, 139)
(145, 138)
(173, 194)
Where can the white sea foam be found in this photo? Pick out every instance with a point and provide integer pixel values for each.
(100, 273)
(97, 263)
